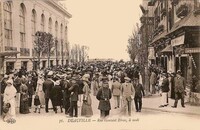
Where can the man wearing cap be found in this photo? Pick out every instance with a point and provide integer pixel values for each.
(104, 95)
(47, 87)
(179, 89)
(139, 92)
(128, 93)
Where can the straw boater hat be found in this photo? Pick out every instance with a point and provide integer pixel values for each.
(127, 78)
(10, 81)
(178, 72)
(50, 73)
(57, 82)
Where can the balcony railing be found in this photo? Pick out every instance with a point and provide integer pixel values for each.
(9, 48)
(24, 52)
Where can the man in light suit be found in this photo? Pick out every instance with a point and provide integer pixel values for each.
(128, 94)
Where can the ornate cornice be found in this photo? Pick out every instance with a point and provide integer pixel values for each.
(55, 5)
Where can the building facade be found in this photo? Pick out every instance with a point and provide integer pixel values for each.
(174, 38)
(20, 20)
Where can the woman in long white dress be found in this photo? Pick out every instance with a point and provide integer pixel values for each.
(39, 90)
(9, 97)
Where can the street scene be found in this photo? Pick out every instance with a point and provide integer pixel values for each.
(74, 64)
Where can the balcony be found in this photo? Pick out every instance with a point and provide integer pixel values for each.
(182, 11)
(157, 19)
(24, 52)
(163, 12)
(174, 2)
(9, 48)
(143, 19)
(160, 28)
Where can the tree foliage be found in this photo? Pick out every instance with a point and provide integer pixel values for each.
(133, 44)
(44, 42)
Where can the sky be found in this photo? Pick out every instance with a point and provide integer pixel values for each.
(103, 25)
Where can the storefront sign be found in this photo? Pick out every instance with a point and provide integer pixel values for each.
(151, 55)
(178, 41)
(192, 50)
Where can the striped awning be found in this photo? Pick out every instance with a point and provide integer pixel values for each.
(168, 48)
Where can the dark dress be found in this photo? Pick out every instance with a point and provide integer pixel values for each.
(56, 95)
(24, 106)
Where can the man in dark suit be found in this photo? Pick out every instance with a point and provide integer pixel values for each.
(30, 85)
(47, 87)
(139, 92)
(73, 97)
(179, 89)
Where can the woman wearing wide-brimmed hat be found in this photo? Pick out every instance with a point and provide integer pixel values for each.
(9, 97)
(86, 109)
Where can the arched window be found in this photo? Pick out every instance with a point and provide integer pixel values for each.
(50, 25)
(61, 31)
(8, 23)
(66, 33)
(33, 24)
(56, 29)
(42, 22)
(22, 26)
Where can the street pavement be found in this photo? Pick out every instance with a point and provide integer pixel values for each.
(153, 103)
(148, 119)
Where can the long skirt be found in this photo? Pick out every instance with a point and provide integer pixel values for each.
(41, 97)
(86, 109)
(24, 106)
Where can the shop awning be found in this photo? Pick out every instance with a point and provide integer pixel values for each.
(168, 48)
(9, 53)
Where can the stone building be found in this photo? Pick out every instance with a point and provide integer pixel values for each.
(20, 20)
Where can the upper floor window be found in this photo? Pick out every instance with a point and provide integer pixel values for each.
(42, 22)
(56, 29)
(8, 23)
(61, 31)
(33, 24)
(22, 26)
(50, 25)
(66, 32)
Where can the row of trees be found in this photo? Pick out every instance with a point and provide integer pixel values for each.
(79, 53)
(137, 49)
(45, 43)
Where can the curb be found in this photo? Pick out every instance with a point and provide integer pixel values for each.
(167, 111)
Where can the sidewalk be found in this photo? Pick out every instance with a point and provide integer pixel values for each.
(153, 103)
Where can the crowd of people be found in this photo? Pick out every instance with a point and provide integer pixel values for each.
(72, 86)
